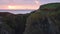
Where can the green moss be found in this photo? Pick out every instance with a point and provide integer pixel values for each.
(50, 6)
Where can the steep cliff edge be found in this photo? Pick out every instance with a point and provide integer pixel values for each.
(46, 20)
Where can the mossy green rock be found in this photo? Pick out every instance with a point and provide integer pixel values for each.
(50, 9)
(45, 20)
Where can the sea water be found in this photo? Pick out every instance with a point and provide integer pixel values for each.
(17, 11)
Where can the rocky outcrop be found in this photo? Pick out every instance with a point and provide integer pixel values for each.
(12, 23)
(45, 21)
(4, 27)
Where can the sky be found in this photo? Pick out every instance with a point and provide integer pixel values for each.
(24, 4)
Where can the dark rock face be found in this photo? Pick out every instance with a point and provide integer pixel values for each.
(20, 27)
(12, 24)
(4, 28)
(38, 26)
(45, 21)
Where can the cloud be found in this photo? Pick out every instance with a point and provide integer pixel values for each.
(37, 2)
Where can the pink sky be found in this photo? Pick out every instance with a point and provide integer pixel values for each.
(19, 4)
(33, 7)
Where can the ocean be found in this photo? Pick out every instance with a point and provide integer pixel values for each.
(17, 11)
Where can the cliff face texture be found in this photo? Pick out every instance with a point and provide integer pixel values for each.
(45, 20)
(11, 23)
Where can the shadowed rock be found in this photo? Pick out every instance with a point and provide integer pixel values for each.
(12, 23)
(45, 21)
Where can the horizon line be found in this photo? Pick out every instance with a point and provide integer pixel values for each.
(15, 9)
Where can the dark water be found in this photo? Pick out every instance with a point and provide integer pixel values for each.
(17, 11)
